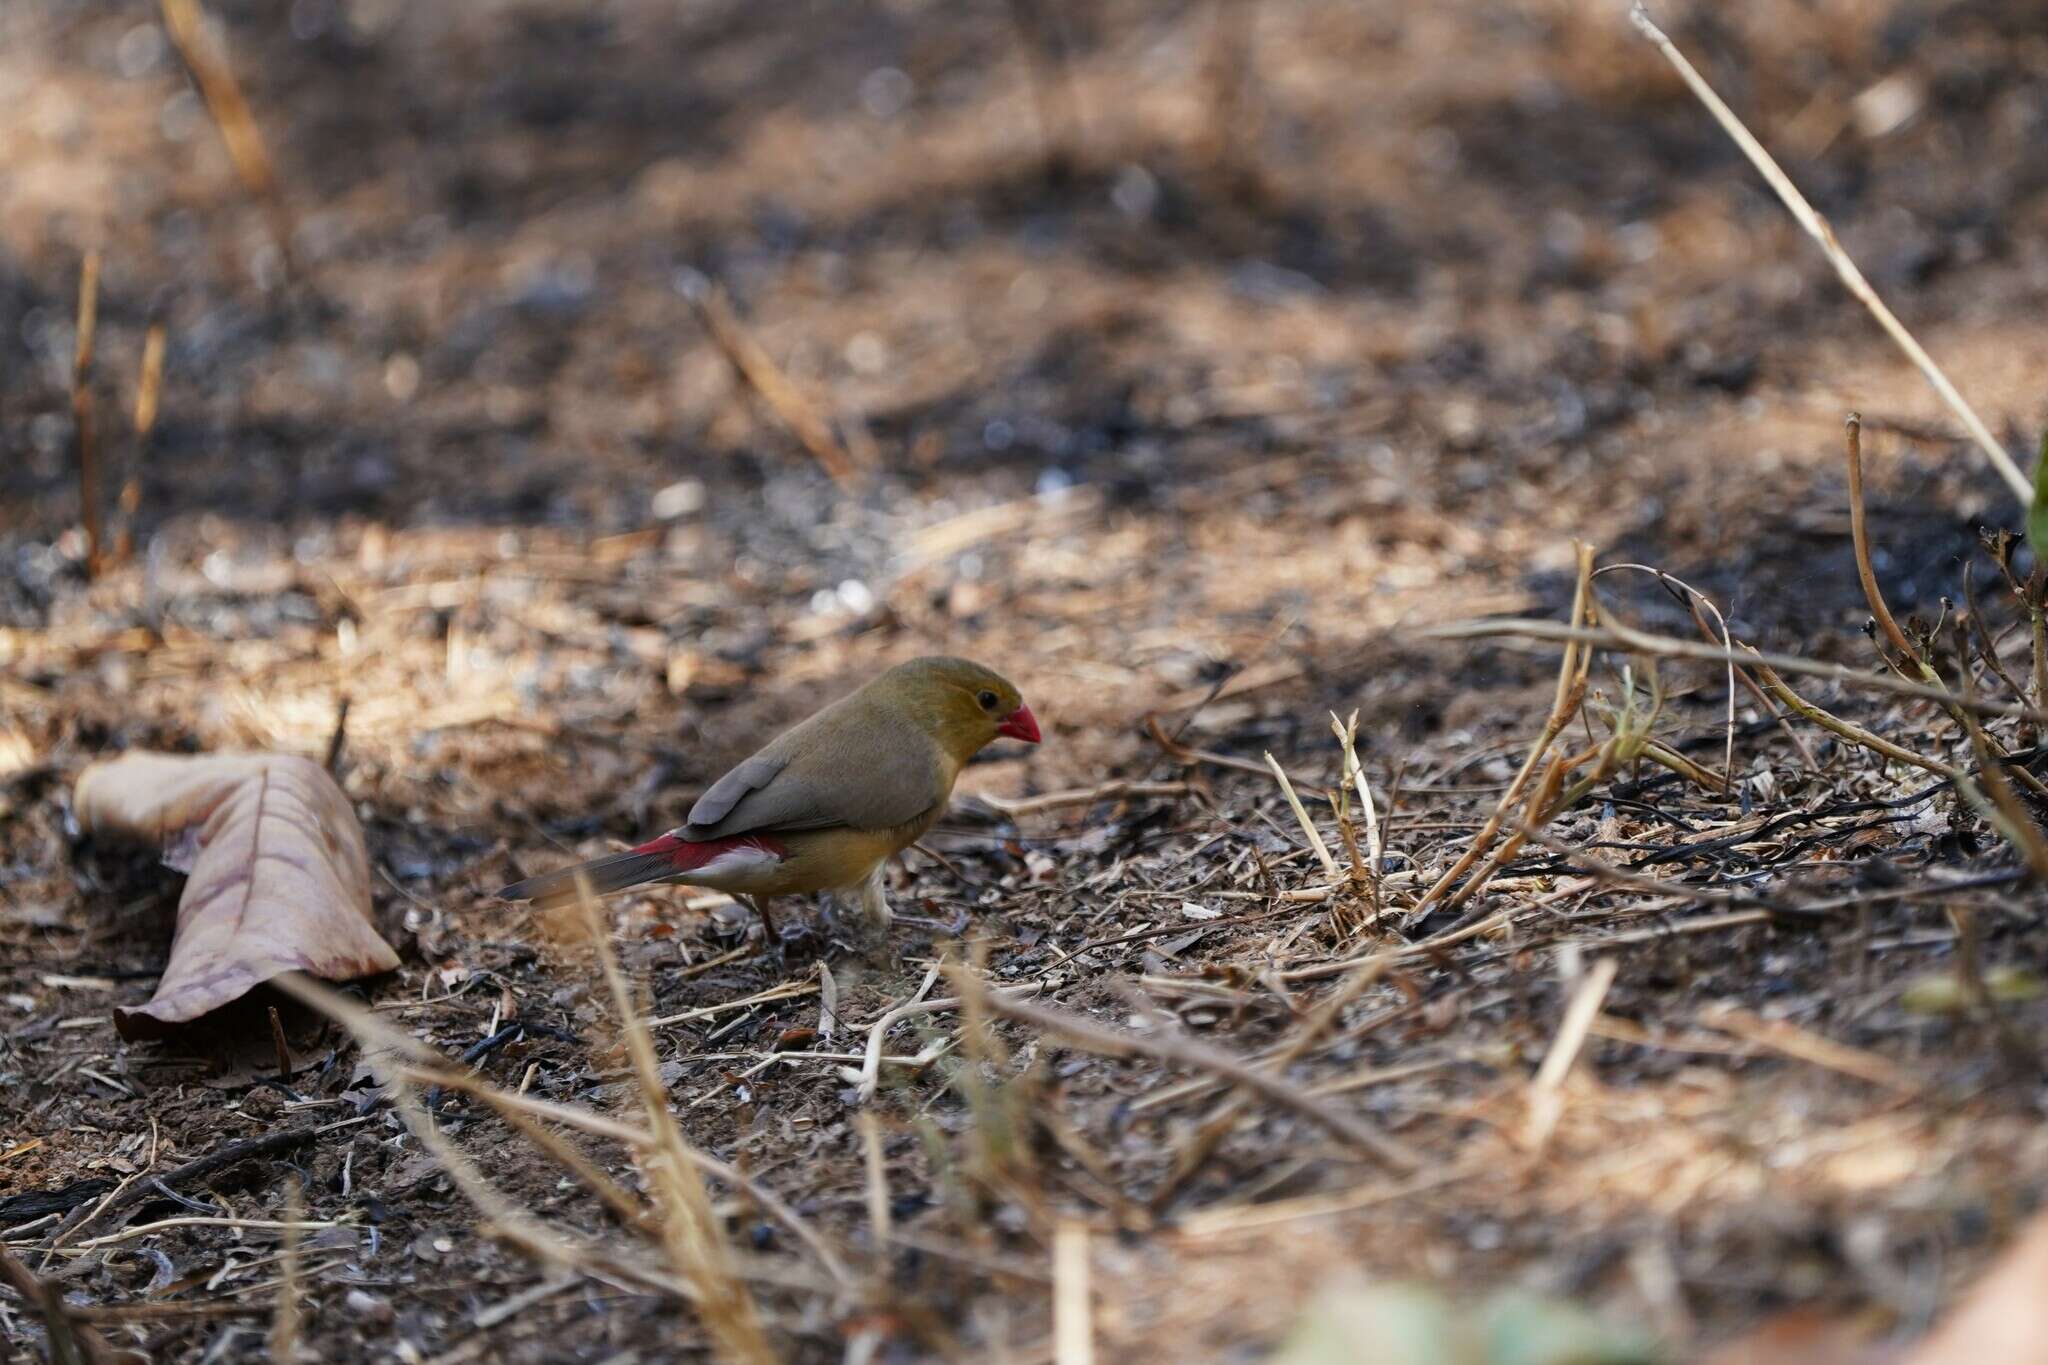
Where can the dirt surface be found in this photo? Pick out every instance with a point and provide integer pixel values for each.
(1201, 374)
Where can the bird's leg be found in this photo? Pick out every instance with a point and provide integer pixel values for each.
(874, 904)
(768, 927)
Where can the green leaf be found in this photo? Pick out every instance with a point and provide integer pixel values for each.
(1528, 1329)
(1353, 1321)
(2037, 513)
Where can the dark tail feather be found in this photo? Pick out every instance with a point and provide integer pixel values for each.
(602, 875)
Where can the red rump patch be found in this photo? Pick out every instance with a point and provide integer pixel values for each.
(687, 855)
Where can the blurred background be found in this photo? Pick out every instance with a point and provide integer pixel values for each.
(1146, 349)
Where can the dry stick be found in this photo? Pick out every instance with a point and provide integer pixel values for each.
(1817, 228)
(1859, 537)
(871, 1062)
(1544, 805)
(1119, 788)
(70, 1342)
(81, 409)
(148, 394)
(758, 369)
(220, 1159)
(1090, 1036)
(238, 131)
(1614, 635)
(1571, 688)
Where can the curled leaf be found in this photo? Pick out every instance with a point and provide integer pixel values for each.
(280, 880)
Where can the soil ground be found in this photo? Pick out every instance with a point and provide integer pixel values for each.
(1203, 371)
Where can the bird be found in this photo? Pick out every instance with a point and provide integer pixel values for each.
(826, 803)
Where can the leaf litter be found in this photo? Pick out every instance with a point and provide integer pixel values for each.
(1237, 501)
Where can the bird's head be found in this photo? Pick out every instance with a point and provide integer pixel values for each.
(963, 705)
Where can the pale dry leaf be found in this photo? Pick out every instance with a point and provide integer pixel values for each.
(2005, 1317)
(279, 878)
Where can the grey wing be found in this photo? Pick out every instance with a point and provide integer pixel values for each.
(750, 775)
(868, 779)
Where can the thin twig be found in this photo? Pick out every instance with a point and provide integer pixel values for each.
(1614, 635)
(231, 115)
(758, 369)
(1817, 228)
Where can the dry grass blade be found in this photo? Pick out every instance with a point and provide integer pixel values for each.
(1090, 1036)
(1805, 1046)
(284, 1322)
(510, 1221)
(1308, 826)
(877, 1169)
(1072, 1311)
(691, 1232)
(1849, 730)
(231, 114)
(148, 393)
(1354, 773)
(1571, 687)
(524, 1112)
(71, 1342)
(1817, 228)
(84, 453)
(1546, 1092)
(788, 402)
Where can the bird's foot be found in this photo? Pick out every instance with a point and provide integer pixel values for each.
(780, 933)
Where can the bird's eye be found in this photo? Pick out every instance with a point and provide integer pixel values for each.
(987, 700)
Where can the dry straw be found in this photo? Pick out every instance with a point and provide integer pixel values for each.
(1817, 227)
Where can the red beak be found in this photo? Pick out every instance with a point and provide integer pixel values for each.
(1020, 724)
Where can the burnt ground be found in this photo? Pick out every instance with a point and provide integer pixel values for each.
(1198, 389)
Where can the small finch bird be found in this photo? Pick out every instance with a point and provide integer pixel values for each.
(826, 803)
